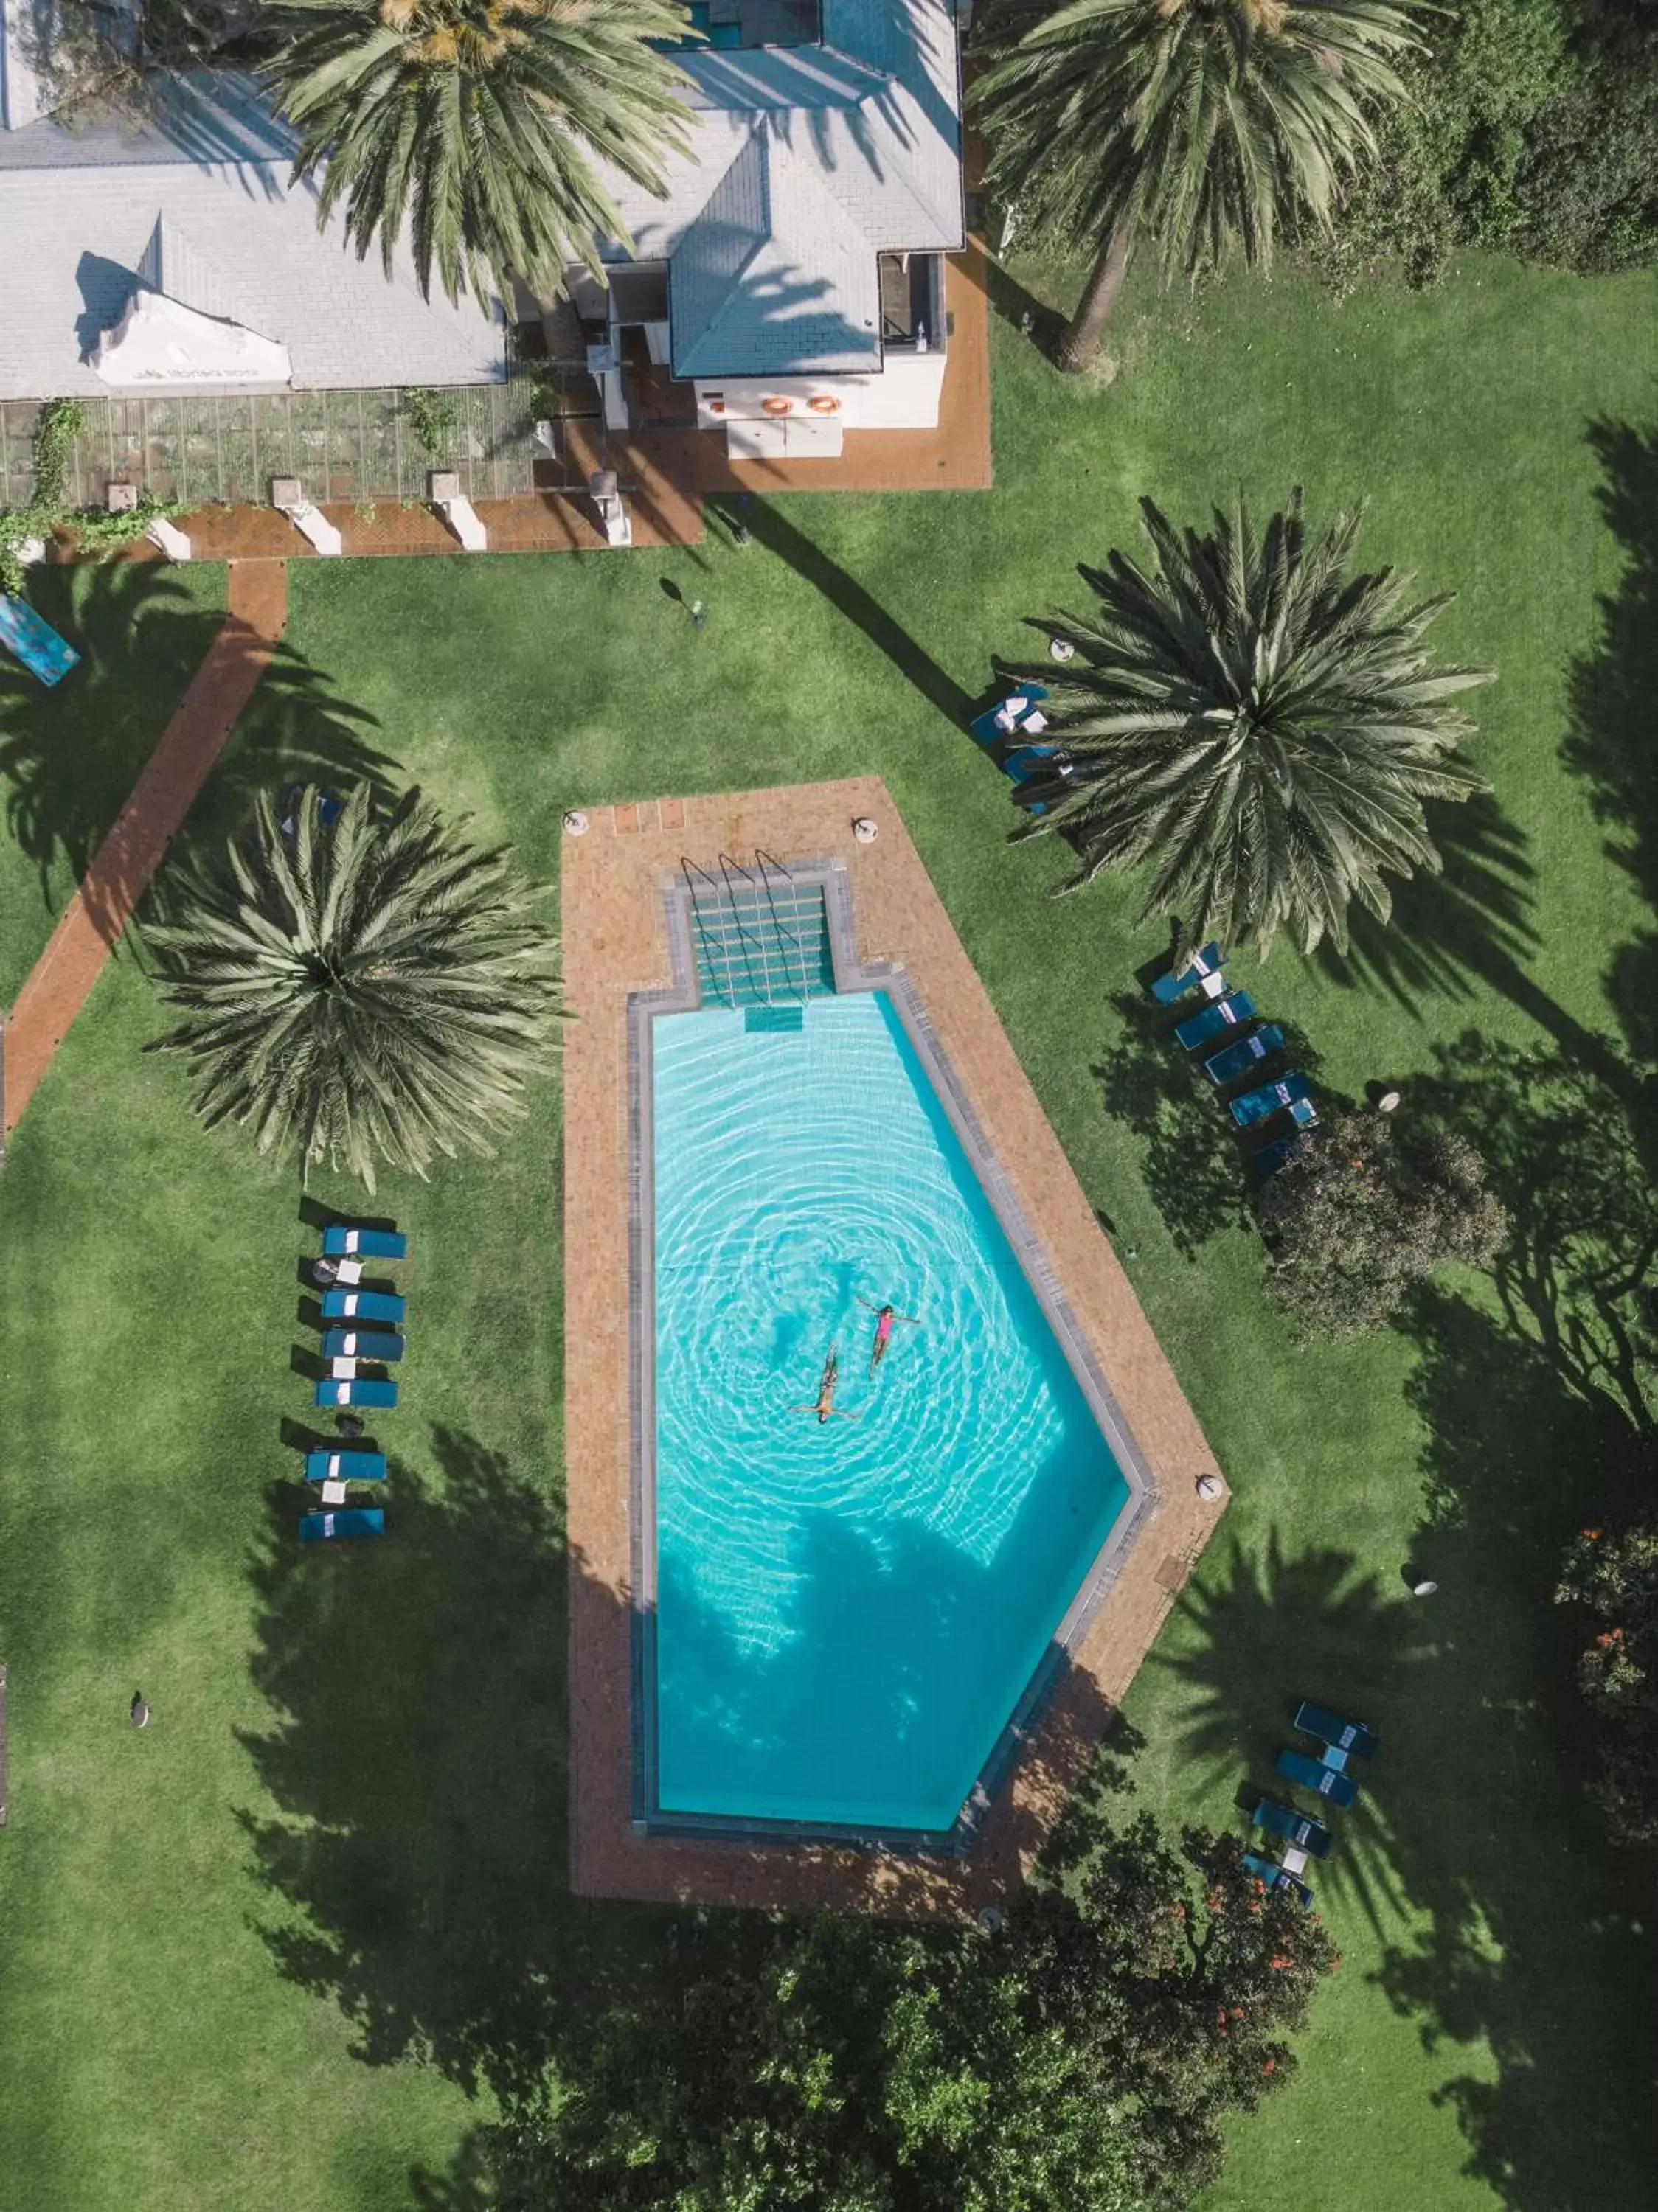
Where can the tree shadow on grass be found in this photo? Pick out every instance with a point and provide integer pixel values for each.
(70, 756)
(1470, 925)
(1610, 740)
(1019, 306)
(418, 1760)
(773, 529)
(1447, 933)
(1278, 1629)
(1505, 1919)
(1540, 1937)
(416, 1763)
(1573, 1155)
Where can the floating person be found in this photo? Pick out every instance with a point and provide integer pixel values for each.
(824, 1405)
(885, 1316)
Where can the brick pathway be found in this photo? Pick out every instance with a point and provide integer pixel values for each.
(57, 986)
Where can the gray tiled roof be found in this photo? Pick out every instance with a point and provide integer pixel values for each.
(807, 163)
(739, 305)
(202, 209)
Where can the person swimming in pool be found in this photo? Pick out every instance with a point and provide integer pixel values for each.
(884, 1317)
(824, 1405)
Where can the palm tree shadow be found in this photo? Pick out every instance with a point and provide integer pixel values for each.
(71, 755)
(1017, 305)
(773, 530)
(1573, 1156)
(1469, 923)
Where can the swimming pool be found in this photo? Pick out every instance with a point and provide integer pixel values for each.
(846, 1616)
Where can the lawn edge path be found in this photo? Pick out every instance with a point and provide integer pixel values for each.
(59, 983)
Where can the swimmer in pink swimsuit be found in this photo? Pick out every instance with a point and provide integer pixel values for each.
(885, 1316)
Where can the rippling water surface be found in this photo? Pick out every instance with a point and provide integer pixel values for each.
(847, 1613)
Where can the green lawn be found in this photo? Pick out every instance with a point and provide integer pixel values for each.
(273, 1950)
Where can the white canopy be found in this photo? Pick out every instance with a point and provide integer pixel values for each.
(160, 342)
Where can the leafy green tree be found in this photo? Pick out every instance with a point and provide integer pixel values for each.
(1533, 129)
(1255, 719)
(1178, 1975)
(477, 127)
(1615, 1575)
(1364, 1210)
(1086, 2055)
(367, 990)
(1208, 126)
(833, 2064)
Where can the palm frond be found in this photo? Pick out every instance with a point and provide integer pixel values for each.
(1261, 726)
(376, 990)
(1211, 125)
(472, 128)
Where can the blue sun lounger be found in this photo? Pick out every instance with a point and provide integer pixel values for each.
(34, 642)
(1228, 1013)
(1248, 1052)
(1351, 1738)
(1000, 723)
(1295, 1828)
(1314, 1774)
(363, 1344)
(344, 1241)
(342, 1521)
(323, 1466)
(1167, 988)
(356, 1390)
(1277, 1877)
(1291, 1091)
(363, 1305)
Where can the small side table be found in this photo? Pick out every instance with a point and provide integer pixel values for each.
(334, 1493)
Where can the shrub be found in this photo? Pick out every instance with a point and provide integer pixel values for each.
(435, 418)
(1365, 1210)
(1531, 127)
(1616, 1576)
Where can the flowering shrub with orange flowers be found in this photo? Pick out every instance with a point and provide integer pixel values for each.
(1182, 1976)
(1615, 1575)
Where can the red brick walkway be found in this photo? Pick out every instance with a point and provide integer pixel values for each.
(59, 985)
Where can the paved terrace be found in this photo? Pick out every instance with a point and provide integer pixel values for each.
(615, 944)
(668, 469)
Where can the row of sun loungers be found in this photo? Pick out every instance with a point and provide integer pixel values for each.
(1235, 1011)
(1015, 725)
(348, 1346)
(1327, 1773)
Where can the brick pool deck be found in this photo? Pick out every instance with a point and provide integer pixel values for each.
(616, 944)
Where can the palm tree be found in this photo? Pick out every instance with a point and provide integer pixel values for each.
(367, 989)
(1256, 720)
(1205, 124)
(478, 124)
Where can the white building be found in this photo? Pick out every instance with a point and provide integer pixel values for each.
(793, 271)
(792, 274)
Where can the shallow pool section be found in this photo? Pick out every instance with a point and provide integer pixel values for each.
(846, 1614)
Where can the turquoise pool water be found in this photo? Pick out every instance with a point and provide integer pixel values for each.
(846, 1614)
